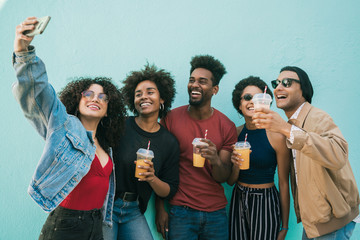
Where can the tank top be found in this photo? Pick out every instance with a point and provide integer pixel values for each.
(91, 191)
(263, 160)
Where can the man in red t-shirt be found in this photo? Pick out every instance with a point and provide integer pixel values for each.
(198, 208)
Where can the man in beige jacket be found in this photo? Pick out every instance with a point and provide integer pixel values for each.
(326, 198)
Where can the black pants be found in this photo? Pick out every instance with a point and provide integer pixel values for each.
(67, 224)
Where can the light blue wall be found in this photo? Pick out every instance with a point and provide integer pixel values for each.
(111, 38)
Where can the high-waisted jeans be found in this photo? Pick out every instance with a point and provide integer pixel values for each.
(67, 224)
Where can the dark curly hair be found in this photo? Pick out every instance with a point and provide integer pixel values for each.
(210, 63)
(110, 128)
(164, 83)
(240, 86)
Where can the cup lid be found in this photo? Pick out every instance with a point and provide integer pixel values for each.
(198, 142)
(261, 96)
(146, 153)
(242, 144)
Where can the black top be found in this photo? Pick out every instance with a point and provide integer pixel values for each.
(263, 160)
(166, 161)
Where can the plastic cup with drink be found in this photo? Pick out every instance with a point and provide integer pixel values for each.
(243, 148)
(261, 100)
(142, 155)
(198, 160)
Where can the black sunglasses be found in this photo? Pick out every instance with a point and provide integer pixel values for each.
(286, 82)
(247, 97)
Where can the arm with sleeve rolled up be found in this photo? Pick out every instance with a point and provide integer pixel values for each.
(166, 182)
(320, 139)
(324, 144)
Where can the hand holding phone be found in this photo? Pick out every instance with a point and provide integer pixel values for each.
(26, 31)
(39, 27)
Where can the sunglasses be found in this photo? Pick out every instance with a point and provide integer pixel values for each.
(286, 82)
(88, 94)
(247, 97)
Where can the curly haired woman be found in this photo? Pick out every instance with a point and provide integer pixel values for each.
(74, 179)
(149, 94)
(257, 210)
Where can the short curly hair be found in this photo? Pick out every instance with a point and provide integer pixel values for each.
(210, 63)
(111, 127)
(163, 81)
(240, 86)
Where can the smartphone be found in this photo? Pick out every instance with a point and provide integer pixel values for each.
(39, 26)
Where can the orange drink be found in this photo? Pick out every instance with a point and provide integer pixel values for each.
(142, 155)
(243, 148)
(140, 162)
(198, 160)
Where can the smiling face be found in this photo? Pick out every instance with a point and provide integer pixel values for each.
(147, 98)
(200, 87)
(93, 108)
(247, 106)
(289, 99)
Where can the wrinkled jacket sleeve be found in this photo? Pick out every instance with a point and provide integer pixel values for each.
(36, 96)
(321, 140)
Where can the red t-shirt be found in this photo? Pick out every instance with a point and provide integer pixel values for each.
(91, 191)
(197, 188)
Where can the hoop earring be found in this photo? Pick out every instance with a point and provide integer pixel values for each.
(162, 107)
(240, 116)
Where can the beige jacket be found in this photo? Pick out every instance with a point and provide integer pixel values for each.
(326, 197)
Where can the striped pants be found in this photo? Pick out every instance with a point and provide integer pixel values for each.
(254, 213)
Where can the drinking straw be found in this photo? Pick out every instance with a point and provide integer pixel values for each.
(206, 133)
(245, 138)
(265, 91)
(147, 150)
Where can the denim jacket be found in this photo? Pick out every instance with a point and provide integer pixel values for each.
(69, 148)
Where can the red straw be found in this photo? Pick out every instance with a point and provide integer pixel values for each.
(206, 133)
(245, 137)
(148, 145)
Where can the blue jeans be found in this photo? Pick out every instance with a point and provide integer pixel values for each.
(190, 224)
(343, 233)
(128, 223)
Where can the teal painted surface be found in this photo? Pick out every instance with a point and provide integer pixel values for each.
(112, 38)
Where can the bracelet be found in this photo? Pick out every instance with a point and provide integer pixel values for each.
(284, 228)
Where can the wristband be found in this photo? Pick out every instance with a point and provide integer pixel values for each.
(284, 228)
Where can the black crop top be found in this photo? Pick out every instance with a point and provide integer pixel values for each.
(262, 158)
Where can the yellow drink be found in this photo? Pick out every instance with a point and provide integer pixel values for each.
(198, 160)
(245, 155)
